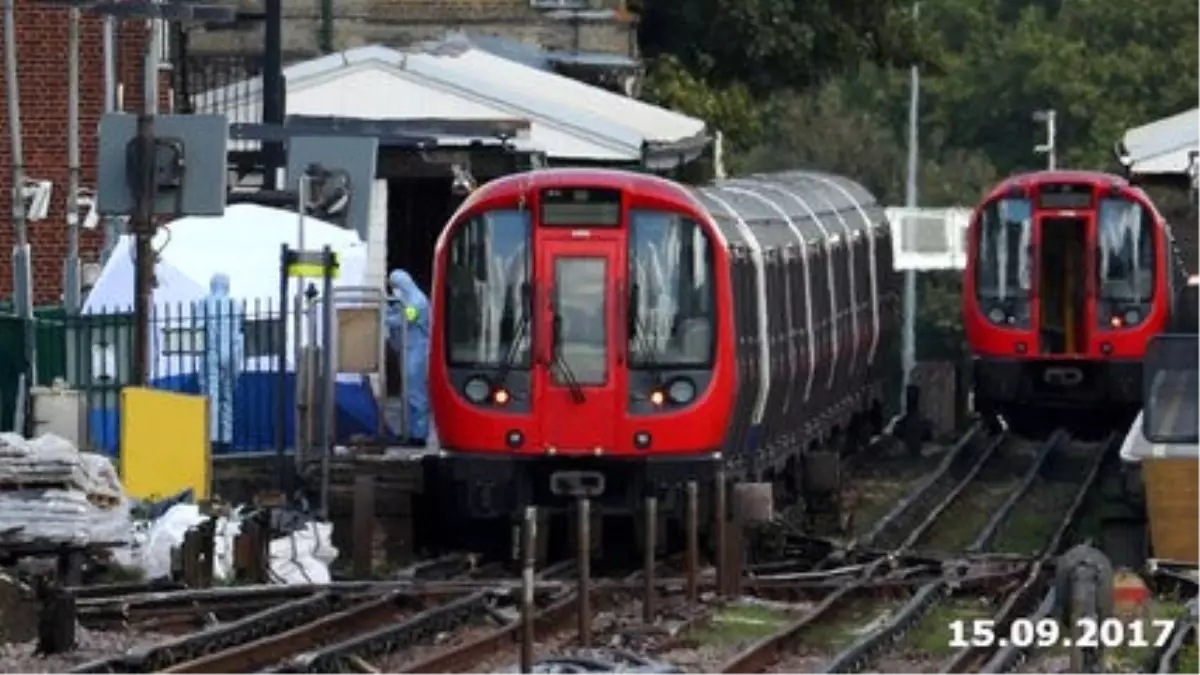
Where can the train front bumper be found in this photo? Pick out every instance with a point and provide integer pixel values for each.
(1063, 382)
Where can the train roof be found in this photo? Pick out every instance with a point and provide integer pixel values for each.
(1061, 176)
(774, 207)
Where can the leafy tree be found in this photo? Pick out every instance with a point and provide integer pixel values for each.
(732, 109)
(771, 44)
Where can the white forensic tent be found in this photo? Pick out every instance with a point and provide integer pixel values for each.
(244, 244)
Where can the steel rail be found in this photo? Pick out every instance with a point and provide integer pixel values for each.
(869, 648)
(1023, 600)
(166, 654)
(921, 491)
(764, 653)
(266, 651)
(460, 658)
(342, 656)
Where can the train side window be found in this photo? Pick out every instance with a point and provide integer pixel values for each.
(486, 287)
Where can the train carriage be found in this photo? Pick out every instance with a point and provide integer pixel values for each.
(615, 334)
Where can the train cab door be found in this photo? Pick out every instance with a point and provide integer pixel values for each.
(579, 382)
(1063, 284)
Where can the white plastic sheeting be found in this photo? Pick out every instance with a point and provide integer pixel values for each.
(302, 557)
(50, 502)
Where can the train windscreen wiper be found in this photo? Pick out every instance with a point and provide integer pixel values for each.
(510, 359)
(556, 359)
(646, 350)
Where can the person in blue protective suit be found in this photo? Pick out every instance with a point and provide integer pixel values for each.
(223, 351)
(408, 324)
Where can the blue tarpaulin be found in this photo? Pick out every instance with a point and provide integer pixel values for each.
(255, 397)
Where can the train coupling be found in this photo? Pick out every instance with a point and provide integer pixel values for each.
(577, 484)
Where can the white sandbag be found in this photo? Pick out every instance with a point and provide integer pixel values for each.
(304, 556)
(165, 534)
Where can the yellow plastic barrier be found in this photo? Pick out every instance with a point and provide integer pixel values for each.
(165, 445)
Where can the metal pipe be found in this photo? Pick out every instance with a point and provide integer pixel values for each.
(22, 276)
(649, 546)
(693, 542)
(111, 225)
(909, 356)
(584, 533)
(71, 290)
(143, 221)
(529, 560)
(328, 390)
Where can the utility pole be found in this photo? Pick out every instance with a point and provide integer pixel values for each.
(71, 271)
(142, 223)
(909, 348)
(1050, 119)
(272, 89)
(22, 283)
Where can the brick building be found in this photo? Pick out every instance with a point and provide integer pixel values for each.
(600, 26)
(42, 62)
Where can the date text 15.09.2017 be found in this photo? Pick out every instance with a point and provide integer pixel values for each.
(1088, 633)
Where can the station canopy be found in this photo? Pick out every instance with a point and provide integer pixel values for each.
(452, 79)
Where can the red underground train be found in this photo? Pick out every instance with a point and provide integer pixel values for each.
(615, 334)
(1069, 276)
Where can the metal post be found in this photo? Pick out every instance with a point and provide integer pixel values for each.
(529, 553)
(281, 382)
(1049, 149)
(272, 85)
(909, 357)
(328, 390)
(143, 216)
(693, 542)
(648, 609)
(720, 508)
(583, 514)
(22, 281)
(111, 233)
(71, 269)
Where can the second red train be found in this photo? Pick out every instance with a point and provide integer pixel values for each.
(1069, 276)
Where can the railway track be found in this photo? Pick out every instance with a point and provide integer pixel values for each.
(880, 623)
(1035, 598)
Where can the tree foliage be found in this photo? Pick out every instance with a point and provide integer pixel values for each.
(770, 44)
(824, 84)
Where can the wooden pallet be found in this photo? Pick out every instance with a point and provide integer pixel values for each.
(1173, 507)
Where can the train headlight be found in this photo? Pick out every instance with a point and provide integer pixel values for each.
(476, 390)
(1132, 317)
(996, 315)
(681, 391)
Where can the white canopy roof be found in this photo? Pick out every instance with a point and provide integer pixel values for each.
(1163, 147)
(455, 80)
(244, 244)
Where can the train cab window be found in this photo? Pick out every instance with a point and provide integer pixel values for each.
(1126, 259)
(1003, 267)
(488, 303)
(672, 291)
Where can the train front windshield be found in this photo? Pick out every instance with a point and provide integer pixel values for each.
(672, 292)
(1125, 265)
(1003, 279)
(487, 298)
